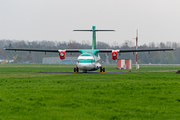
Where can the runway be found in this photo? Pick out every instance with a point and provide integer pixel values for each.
(78, 72)
(119, 72)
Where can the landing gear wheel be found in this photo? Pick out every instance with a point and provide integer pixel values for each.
(102, 69)
(76, 69)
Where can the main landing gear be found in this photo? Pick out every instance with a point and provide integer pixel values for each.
(102, 70)
(76, 70)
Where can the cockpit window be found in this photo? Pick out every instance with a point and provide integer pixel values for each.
(85, 57)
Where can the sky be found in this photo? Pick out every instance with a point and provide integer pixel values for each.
(156, 20)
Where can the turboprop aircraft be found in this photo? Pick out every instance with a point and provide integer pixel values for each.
(89, 60)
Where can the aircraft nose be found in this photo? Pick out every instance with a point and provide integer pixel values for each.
(84, 67)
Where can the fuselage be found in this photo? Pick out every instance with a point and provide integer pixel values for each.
(88, 61)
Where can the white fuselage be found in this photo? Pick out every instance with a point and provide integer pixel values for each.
(88, 62)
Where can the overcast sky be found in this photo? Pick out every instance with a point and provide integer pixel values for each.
(156, 20)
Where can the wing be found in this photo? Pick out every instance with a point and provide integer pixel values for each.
(139, 50)
(78, 50)
(41, 50)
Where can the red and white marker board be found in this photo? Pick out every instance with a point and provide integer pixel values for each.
(127, 63)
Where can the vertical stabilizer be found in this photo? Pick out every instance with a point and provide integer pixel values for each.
(94, 38)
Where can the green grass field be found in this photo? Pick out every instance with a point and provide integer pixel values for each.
(152, 92)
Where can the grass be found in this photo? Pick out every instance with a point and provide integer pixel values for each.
(152, 92)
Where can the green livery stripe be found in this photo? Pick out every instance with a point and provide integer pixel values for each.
(85, 61)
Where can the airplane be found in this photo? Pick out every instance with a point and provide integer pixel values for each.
(89, 60)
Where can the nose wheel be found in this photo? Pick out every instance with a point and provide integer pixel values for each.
(76, 70)
(102, 70)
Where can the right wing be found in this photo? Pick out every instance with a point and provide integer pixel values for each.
(134, 50)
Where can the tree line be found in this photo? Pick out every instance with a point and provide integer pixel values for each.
(168, 57)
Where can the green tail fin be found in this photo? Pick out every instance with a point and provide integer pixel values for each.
(94, 38)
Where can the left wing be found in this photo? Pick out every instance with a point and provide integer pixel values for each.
(62, 52)
(41, 50)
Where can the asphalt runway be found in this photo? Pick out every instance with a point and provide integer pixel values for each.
(78, 72)
(120, 72)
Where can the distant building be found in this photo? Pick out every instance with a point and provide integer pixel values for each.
(1, 57)
(69, 60)
(2, 61)
(51, 60)
(5, 61)
(57, 60)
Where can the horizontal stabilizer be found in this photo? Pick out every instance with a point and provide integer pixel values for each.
(95, 30)
(83, 30)
(104, 30)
